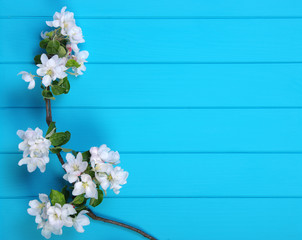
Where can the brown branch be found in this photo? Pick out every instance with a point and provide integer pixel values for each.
(90, 213)
(95, 217)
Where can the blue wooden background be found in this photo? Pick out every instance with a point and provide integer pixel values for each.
(203, 99)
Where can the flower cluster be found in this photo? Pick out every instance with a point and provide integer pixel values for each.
(62, 53)
(35, 149)
(52, 218)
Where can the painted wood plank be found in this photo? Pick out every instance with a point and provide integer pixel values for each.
(177, 219)
(174, 175)
(166, 85)
(165, 130)
(167, 40)
(164, 8)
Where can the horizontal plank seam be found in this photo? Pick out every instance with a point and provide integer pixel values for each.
(177, 197)
(163, 108)
(189, 152)
(171, 63)
(161, 17)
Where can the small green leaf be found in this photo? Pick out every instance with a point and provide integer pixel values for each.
(75, 153)
(78, 200)
(37, 59)
(95, 202)
(66, 85)
(65, 192)
(57, 90)
(57, 197)
(61, 138)
(47, 94)
(51, 129)
(72, 63)
(66, 150)
(55, 149)
(49, 34)
(86, 156)
(53, 47)
(44, 42)
(81, 207)
(61, 52)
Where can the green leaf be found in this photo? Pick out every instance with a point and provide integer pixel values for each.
(57, 90)
(81, 207)
(44, 42)
(95, 202)
(57, 197)
(51, 129)
(47, 94)
(78, 200)
(72, 63)
(55, 149)
(65, 192)
(86, 156)
(37, 59)
(61, 138)
(61, 52)
(75, 153)
(66, 150)
(66, 84)
(49, 34)
(53, 47)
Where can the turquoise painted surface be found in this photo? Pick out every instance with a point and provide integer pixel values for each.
(202, 98)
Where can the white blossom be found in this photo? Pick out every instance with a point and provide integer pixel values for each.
(62, 19)
(75, 37)
(43, 34)
(74, 167)
(38, 209)
(81, 57)
(59, 216)
(103, 154)
(51, 69)
(35, 149)
(48, 229)
(109, 176)
(81, 220)
(87, 186)
(28, 77)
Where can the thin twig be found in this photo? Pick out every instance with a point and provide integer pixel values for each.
(90, 213)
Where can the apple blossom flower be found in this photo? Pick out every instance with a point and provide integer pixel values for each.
(81, 57)
(28, 77)
(87, 186)
(74, 167)
(81, 220)
(51, 69)
(37, 208)
(103, 154)
(62, 19)
(59, 216)
(75, 37)
(113, 177)
(48, 229)
(35, 149)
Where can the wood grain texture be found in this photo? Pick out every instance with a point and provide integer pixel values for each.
(155, 8)
(167, 40)
(165, 85)
(213, 219)
(174, 175)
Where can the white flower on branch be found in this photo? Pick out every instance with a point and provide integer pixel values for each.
(35, 149)
(103, 154)
(87, 186)
(59, 216)
(51, 69)
(28, 77)
(74, 167)
(37, 208)
(80, 57)
(48, 229)
(62, 19)
(81, 220)
(75, 37)
(109, 176)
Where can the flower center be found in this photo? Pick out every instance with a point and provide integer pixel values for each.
(49, 72)
(75, 167)
(110, 178)
(85, 185)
